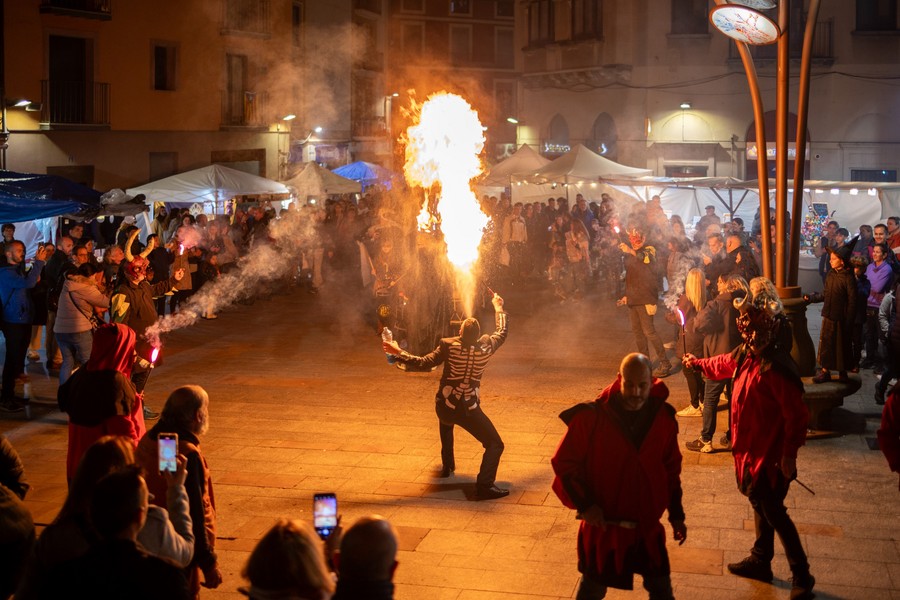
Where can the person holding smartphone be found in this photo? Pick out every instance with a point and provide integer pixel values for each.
(458, 398)
(186, 415)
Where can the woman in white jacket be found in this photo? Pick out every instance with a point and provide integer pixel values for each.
(80, 300)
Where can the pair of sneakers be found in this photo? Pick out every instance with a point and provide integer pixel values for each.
(700, 445)
(760, 570)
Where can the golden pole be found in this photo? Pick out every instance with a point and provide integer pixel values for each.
(762, 172)
(800, 157)
(781, 144)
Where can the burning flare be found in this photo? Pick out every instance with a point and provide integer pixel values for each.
(442, 153)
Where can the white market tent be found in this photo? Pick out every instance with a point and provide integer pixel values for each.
(578, 171)
(850, 203)
(210, 186)
(318, 182)
(580, 165)
(522, 163)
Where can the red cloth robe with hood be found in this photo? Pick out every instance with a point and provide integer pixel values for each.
(99, 397)
(768, 416)
(596, 463)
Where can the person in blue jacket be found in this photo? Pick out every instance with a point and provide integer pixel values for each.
(17, 308)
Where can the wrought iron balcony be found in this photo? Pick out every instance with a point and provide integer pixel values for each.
(244, 109)
(247, 16)
(74, 103)
(88, 9)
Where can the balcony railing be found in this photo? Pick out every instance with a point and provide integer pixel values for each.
(91, 9)
(74, 103)
(822, 50)
(244, 109)
(247, 16)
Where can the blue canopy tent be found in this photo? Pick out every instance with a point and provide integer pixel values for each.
(366, 174)
(28, 196)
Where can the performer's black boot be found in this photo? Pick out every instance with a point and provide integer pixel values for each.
(491, 492)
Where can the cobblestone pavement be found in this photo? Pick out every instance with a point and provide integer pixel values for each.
(302, 402)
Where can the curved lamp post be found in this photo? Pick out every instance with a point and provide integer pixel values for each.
(742, 21)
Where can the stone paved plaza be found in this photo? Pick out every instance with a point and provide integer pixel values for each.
(304, 402)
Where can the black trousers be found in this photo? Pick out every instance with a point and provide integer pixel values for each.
(482, 429)
(18, 337)
(770, 517)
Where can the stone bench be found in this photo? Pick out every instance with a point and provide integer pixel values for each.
(821, 398)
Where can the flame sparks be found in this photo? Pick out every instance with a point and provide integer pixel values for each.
(680, 317)
(442, 152)
(154, 355)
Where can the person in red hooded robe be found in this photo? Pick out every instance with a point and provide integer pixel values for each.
(619, 466)
(768, 426)
(100, 397)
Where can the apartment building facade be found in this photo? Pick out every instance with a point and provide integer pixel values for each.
(652, 84)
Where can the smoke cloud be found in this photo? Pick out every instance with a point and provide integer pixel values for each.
(267, 262)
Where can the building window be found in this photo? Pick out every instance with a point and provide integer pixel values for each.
(163, 164)
(887, 175)
(373, 6)
(297, 18)
(460, 7)
(505, 53)
(163, 67)
(413, 40)
(686, 170)
(690, 17)
(540, 22)
(604, 137)
(876, 15)
(413, 6)
(557, 141)
(505, 9)
(460, 44)
(587, 19)
(247, 16)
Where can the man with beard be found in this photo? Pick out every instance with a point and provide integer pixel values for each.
(768, 426)
(187, 413)
(17, 309)
(619, 466)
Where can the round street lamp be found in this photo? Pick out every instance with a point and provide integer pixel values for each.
(740, 21)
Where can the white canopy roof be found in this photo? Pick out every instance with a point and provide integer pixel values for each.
(207, 185)
(523, 162)
(580, 164)
(319, 182)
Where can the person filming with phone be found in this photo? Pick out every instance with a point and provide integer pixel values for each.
(184, 420)
(458, 398)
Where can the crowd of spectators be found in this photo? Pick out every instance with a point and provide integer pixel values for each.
(122, 511)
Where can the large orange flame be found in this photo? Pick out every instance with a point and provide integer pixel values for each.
(442, 152)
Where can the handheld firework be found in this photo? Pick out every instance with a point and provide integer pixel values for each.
(683, 334)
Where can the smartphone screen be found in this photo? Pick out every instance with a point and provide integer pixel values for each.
(324, 514)
(168, 450)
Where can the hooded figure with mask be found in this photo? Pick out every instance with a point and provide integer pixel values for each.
(838, 314)
(768, 426)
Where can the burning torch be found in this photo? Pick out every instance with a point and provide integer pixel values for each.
(149, 364)
(683, 335)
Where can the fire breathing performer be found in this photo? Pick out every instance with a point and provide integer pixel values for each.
(458, 399)
(619, 466)
(768, 426)
(132, 305)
